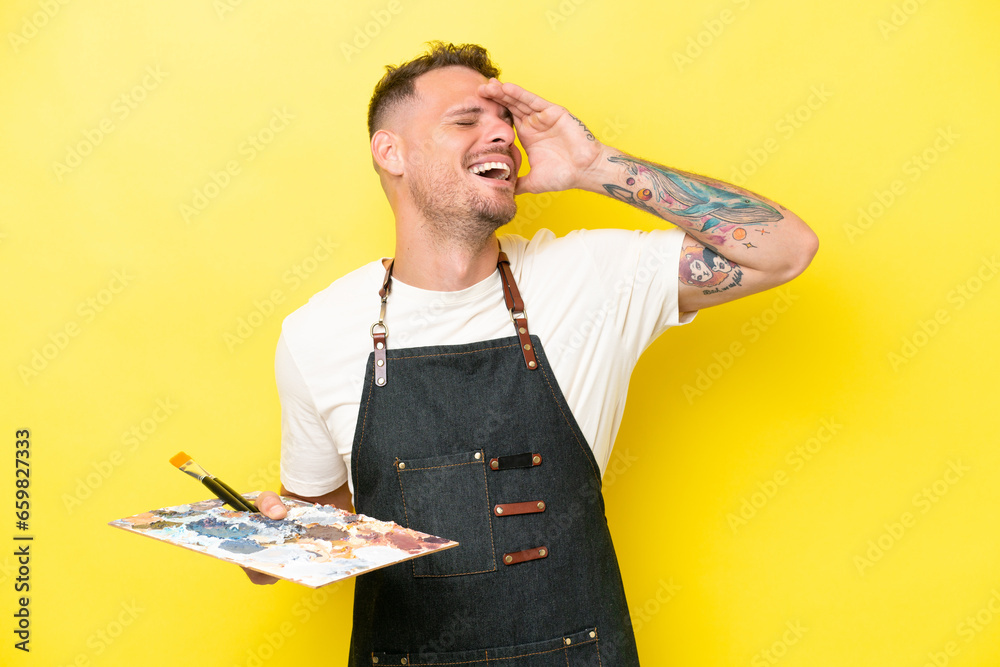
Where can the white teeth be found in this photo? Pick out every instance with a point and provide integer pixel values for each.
(486, 166)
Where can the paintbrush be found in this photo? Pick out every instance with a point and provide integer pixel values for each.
(186, 464)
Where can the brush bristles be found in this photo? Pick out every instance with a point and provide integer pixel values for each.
(179, 459)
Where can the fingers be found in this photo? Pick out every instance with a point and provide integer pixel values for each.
(260, 578)
(270, 505)
(520, 102)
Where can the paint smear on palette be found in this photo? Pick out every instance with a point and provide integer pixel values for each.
(314, 545)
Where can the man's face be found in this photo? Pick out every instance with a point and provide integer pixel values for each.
(447, 129)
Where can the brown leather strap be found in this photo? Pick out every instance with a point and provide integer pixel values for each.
(378, 337)
(512, 297)
(529, 507)
(380, 367)
(387, 281)
(516, 557)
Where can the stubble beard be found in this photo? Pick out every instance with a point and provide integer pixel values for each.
(457, 213)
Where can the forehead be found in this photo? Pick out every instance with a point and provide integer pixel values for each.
(448, 89)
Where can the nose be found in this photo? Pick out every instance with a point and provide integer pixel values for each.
(500, 132)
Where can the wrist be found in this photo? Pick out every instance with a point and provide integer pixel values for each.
(600, 171)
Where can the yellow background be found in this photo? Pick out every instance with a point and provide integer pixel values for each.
(871, 86)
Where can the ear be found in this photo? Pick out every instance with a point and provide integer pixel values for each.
(386, 151)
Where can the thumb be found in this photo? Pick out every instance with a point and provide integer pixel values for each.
(270, 505)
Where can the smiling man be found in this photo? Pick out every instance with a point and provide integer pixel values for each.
(470, 423)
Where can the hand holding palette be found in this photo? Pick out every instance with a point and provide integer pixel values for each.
(314, 545)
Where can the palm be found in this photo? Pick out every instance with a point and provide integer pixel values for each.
(559, 148)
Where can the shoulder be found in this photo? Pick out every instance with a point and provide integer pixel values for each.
(336, 309)
(589, 250)
(544, 244)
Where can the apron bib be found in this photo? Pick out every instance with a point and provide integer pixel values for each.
(476, 443)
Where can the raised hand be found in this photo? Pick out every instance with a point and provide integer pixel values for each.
(559, 147)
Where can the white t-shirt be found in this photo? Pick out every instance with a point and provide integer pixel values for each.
(595, 298)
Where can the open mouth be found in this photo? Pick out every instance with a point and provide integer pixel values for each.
(492, 170)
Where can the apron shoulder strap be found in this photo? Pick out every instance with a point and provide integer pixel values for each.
(518, 315)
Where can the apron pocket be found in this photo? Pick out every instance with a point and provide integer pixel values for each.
(579, 649)
(446, 496)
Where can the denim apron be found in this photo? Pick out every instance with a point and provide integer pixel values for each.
(476, 443)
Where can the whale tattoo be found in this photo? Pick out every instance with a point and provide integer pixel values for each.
(698, 199)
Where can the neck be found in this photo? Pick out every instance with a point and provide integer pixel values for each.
(444, 266)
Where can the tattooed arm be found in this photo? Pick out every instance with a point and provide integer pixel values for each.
(737, 242)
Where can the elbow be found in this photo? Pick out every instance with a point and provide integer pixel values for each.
(799, 257)
(807, 249)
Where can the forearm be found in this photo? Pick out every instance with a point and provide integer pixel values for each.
(741, 226)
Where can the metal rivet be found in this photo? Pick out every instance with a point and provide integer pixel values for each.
(403, 661)
(494, 464)
(568, 641)
(542, 552)
(536, 459)
(522, 330)
(592, 634)
(401, 465)
(527, 346)
(380, 363)
(380, 381)
(374, 660)
(541, 505)
(379, 345)
(508, 559)
(499, 510)
(478, 455)
(531, 364)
